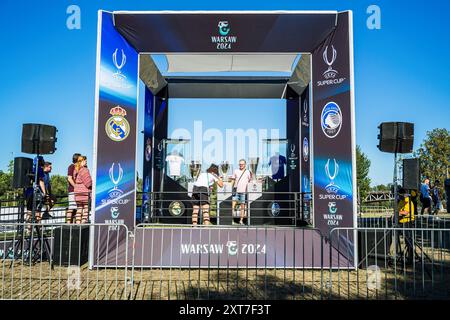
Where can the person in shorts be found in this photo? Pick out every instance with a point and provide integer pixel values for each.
(72, 207)
(201, 191)
(241, 178)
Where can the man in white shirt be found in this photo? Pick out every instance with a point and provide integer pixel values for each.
(241, 178)
(174, 160)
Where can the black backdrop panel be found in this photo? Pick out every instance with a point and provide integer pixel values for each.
(159, 32)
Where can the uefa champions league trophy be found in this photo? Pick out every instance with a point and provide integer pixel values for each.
(194, 169)
(253, 166)
(224, 168)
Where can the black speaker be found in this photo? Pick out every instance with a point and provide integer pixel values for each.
(71, 245)
(411, 174)
(23, 172)
(38, 138)
(373, 245)
(396, 137)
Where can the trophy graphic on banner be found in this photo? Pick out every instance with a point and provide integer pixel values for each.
(194, 169)
(224, 168)
(253, 166)
(118, 75)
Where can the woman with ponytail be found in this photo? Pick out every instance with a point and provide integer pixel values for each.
(82, 189)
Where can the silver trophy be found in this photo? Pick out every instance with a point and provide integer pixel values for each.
(194, 169)
(224, 168)
(253, 166)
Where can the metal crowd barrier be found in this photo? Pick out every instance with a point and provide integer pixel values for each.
(420, 221)
(180, 261)
(393, 263)
(50, 262)
(185, 262)
(276, 208)
(14, 210)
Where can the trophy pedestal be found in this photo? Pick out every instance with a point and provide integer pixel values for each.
(254, 190)
(223, 194)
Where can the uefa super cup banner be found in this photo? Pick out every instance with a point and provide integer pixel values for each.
(115, 147)
(148, 156)
(332, 133)
(306, 154)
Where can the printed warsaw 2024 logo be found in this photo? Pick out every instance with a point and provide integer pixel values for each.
(224, 40)
(333, 196)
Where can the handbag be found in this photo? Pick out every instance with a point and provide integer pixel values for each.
(234, 189)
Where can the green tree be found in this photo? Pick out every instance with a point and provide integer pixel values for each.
(434, 155)
(139, 183)
(59, 184)
(6, 180)
(382, 187)
(362, 173)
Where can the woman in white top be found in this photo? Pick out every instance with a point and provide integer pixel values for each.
(200, 193)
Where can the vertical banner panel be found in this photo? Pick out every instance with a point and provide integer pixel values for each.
(115, 130)
(305, 178)
(293, 135)
(333, 134)
(148, 147)
(159, 134)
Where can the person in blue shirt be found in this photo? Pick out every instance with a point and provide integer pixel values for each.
(425, 197)
(49, 199)
(436, 197)
(38, 166)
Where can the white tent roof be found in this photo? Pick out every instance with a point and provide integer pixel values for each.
(179, 63)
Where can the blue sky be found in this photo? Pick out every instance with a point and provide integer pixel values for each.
(48, 71)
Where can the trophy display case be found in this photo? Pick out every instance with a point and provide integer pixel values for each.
(172, 201)
(176, 155)
(274, 162)
(273, 206)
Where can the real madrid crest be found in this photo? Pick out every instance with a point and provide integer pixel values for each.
(117, 127)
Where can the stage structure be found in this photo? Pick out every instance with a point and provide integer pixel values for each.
(319, 142)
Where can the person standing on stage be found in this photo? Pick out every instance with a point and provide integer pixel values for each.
(435, 195)
(82, 189)
(49, 199)
(72, 208)
(40, 192)
(425, 197)
(241, 178)
(201, 191)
